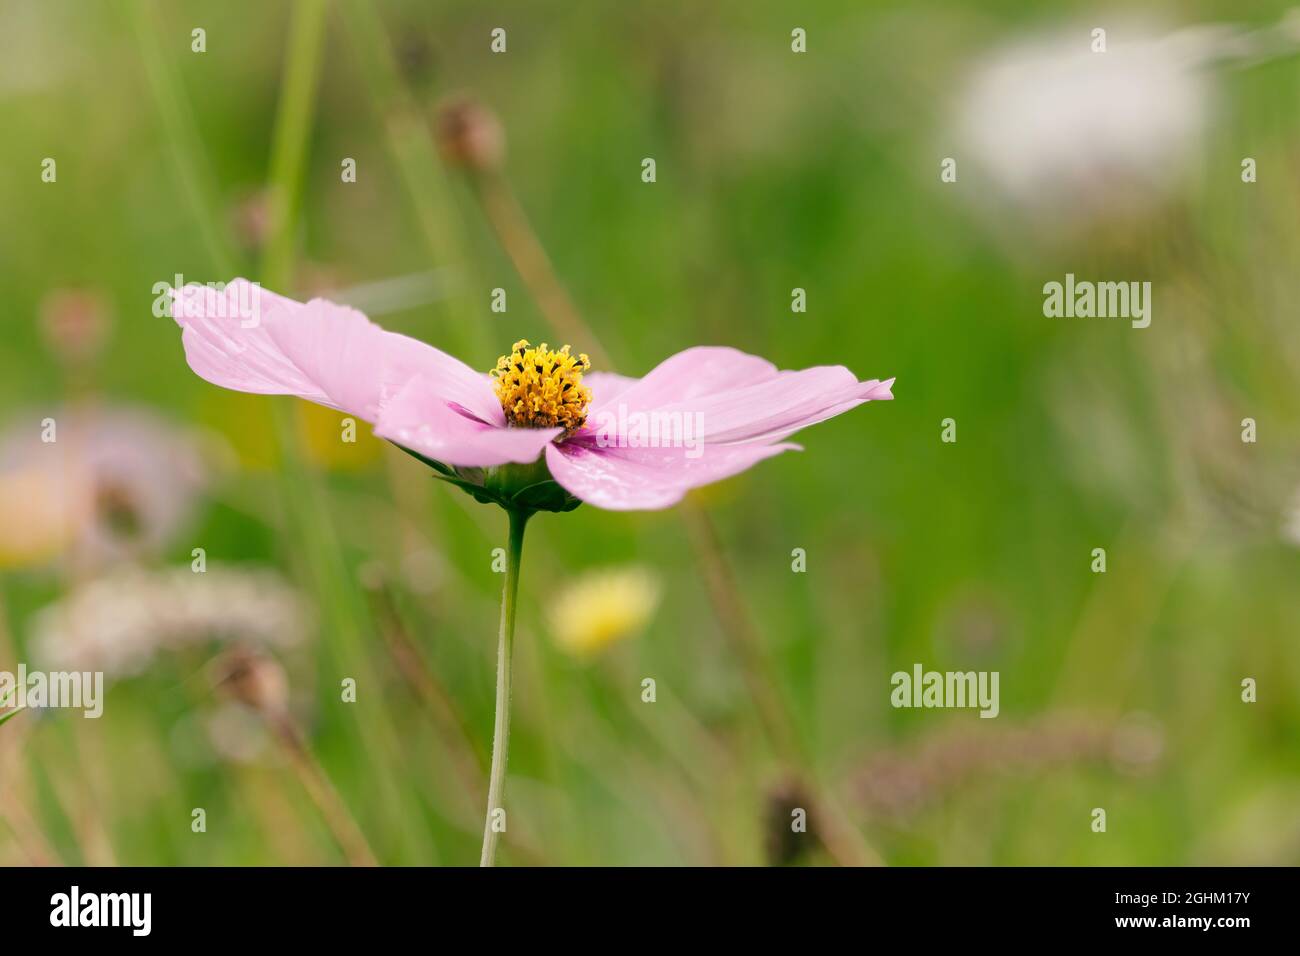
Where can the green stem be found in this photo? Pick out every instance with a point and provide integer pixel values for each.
(505, 655)
(289, 144)
(189, 162)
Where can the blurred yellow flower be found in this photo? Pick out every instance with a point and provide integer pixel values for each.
(331, 442)
(603, 607)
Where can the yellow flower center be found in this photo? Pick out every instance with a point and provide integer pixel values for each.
(542, 388)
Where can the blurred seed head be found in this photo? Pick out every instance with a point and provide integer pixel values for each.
(897, 783)
(119, 623)
(75, 324)
(254, 678)
(601, 608)
(415, 58)
(469, 135)
(783, 844)
(251, 220)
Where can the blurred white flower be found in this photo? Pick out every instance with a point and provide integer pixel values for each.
(117, 482)
(118, 623)
(603, 607)
(1057, 127)
(1067, 134)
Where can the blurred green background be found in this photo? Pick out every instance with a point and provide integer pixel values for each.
(775, 170)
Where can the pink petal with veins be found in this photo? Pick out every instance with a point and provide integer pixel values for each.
(251, 340)
(636, 479)
(420, 418)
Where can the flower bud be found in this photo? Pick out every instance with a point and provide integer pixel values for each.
(254, 679)
(469, 134)
(75, 325)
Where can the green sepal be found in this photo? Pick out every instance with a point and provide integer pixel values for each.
(524, 488)
(548, 495)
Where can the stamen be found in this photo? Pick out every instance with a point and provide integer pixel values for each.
(533, 397)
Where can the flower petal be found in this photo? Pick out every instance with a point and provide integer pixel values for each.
(693, 373)
(724, 396)
(638, 479)
(245, 338)
(421, 418)
(606, 386)
(872, 391)
(776, 407)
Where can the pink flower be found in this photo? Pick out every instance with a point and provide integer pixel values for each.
(616, 442)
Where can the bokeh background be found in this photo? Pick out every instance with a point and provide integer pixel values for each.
(775, 170)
